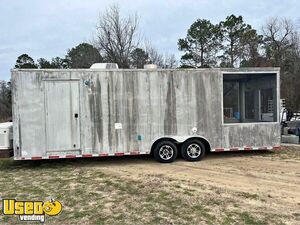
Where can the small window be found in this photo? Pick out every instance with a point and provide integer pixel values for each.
(249, 98)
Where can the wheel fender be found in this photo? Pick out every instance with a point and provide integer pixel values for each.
(179, 139)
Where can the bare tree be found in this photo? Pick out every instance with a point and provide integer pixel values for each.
(291, 73)
(170, 61)
(282, 49)
(154, 56)
(277, 32)
(116, 36)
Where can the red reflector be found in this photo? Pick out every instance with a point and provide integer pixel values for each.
(119, 153)
(277, 148)
(53, 157)
(103, 154)
(36, 158)
(70, 156)
(219, 149)
(247, 148)
(234, 149)
(87, 155)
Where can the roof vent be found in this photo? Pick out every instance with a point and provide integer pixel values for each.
(104, 66)
(150, 66)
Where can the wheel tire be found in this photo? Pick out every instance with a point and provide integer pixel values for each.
(165, 152)
(193, 150)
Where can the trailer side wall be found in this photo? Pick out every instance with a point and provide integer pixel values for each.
(76, 112)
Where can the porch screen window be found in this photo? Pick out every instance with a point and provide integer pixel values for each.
(249, 98)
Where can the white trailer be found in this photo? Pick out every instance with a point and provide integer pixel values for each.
(6, 136)
(114, 112)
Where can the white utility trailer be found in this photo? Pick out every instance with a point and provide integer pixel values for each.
(114, 112)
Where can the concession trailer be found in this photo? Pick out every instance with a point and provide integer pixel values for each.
(72, 113)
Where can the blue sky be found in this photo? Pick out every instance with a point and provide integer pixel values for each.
(48, 28)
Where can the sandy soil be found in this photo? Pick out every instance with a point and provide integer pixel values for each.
(260, 182)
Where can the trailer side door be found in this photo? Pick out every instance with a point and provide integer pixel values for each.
(62, 115)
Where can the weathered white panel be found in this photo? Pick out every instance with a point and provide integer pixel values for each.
(148, 104)
(28, 113)
(251, 134)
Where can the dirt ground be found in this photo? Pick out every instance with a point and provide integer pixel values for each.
(223, 188)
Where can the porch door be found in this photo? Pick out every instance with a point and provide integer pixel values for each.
(62, 115)
(249, 105)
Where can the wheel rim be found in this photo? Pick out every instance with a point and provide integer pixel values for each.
(194, 150)
(166, 152)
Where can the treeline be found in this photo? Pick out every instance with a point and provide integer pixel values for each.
(85, 54)
(81, 56)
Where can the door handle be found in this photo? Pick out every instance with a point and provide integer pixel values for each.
(76, 115)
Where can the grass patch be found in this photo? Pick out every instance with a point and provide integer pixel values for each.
(248, 195)
(91, 196)
(248, 219)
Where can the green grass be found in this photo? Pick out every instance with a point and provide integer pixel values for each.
(248, 195)
(106, 200)
(248, 219)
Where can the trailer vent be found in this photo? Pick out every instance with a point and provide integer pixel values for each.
(104, 66)
(150, 66)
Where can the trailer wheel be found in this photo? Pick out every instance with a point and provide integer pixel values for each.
(193, 150)
(165, 152)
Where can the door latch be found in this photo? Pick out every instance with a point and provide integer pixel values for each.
(76, 115)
